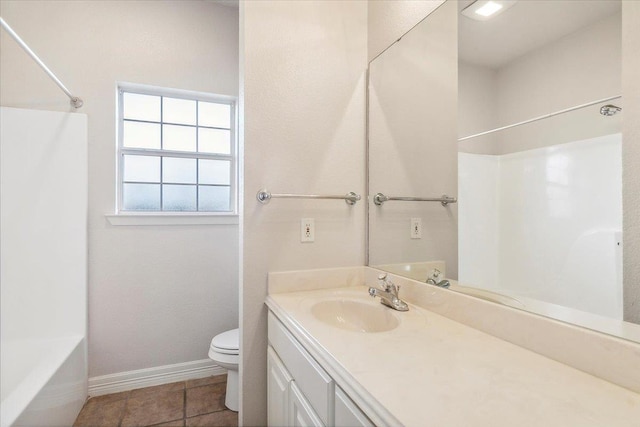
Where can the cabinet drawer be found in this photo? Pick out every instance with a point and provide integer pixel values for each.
(311, 379)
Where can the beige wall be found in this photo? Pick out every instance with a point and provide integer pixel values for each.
(303, 72)
(631, 158)
(581, 67)
(157, 294)
(388, 20)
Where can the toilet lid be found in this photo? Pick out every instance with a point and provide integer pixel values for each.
(227, 342)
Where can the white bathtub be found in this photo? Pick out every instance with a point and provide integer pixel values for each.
(43, 274)
(44, 382)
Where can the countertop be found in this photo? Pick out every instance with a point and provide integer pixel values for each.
(431, 370)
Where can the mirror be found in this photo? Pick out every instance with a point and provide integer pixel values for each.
(519, 118)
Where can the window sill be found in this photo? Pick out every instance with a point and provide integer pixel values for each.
(171, 219)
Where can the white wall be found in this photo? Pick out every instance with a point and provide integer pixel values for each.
(631, 158)
(412, 127)
(157, 294)
(388, 20)
(477, 99)
(304, 108)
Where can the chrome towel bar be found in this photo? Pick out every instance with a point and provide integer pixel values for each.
(264, 196)
(380, 198)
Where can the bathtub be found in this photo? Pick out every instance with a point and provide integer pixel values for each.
(44, 382)
(43, 274)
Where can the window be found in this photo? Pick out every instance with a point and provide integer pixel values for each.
(176, 151)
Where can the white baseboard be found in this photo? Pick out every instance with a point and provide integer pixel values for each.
(158, 375)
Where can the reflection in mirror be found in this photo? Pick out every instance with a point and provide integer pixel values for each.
(412, 136)
(538, 223)
(541, 199)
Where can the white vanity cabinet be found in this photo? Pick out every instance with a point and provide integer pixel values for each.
(347, 413)
(299, 390)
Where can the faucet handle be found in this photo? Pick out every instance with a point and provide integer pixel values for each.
(386, 285)
(435, 275)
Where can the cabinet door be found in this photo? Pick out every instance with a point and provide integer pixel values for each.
(347, 413)
(314, 382)
(301, 414)
(278, 380)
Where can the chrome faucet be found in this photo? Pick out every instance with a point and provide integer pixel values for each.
(389, 294)
(434, 279)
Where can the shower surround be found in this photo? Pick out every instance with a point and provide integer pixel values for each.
(43, 266)
(546, 224)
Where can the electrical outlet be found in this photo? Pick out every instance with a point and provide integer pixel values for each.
(307, 230)
(416, 228)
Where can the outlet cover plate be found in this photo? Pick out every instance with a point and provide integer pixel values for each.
(416, 228)
(307, 230)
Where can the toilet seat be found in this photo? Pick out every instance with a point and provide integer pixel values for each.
(226, 343)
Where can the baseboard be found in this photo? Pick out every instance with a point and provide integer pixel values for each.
(158, 375)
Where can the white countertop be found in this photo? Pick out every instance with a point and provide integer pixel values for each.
(431, 370)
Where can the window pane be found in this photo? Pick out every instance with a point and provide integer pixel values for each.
(141, 107)
(181, 138)
(179, 197)
(214, 141)
(141, 135)
(214, 115)
(213, 198)
(214, 172)
(141, 168)
(178, 171)
(179, 111)
(141, 197)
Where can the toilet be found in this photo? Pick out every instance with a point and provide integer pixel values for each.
(224, 351)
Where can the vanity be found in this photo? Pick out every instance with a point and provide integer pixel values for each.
(338, 357)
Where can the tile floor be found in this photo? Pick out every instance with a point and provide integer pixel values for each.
(183, 404)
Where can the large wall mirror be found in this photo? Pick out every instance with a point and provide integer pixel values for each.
(495, 157)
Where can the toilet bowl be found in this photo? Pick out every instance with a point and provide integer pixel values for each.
(224, 351)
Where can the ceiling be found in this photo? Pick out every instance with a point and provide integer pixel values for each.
(527, 25)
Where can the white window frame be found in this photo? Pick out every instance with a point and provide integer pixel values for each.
(127, 217)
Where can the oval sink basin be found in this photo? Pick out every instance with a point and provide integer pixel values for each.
(355, 316)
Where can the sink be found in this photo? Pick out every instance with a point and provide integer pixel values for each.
(355, 316)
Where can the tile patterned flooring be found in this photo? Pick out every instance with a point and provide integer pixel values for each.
(193, 403)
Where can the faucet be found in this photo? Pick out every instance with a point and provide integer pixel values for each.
(434, 279)
(389, 294)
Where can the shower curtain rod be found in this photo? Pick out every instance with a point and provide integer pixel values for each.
(546, 116)
(75, 101)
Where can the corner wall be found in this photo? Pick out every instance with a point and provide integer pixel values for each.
(304, 71)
